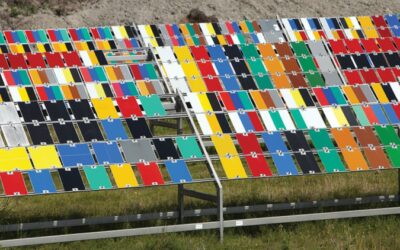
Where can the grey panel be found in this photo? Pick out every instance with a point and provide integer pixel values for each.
(15, 135)
(157, 86)
(51, 76)
(224, 30)
(269, 25)
(1, 142)
(325, 63)
(368, 93)
(82, 91)
(139, 150)
(125, 72)
(317, 48)
(120, 44)
(8, 113)
(274, 37)
(332, 78)
(276, 98)
(165, 35)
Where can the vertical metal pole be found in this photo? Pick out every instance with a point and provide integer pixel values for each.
(220, 211)
(181, 205)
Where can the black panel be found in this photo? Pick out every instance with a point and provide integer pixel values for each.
(378, 60)
(223, 123)
(165, 148)
(66, 132)
(348, 112)
(389, 92)
(47, 47)
(130, 31)
(90, 131)
(57, 110)
(214, 102)
(71, 179)
(90, 45)
(361, 61)
(393, 59)
(81, 109)
(306, 97)
(26, 48)
(69, 46)
(139, 128)
(112, 44)
(233, 51)
(40, 134)
(75, 74)
(31, 111)
(107, 90)
(345, 62)
(100, 56)
(306, 160)
(344, 23)
(4, 95)
(31, 93)
(216, 28)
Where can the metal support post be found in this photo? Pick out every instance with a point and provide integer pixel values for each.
(181, 204)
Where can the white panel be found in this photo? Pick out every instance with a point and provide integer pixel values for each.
(117, 32)
(348, 33)
(269, 124)
(15, 135)
(235, 39)
(312, 118)
(195, 102)
(204, 125)
(289, 30)
(261, 38)
(290, 102)
(1, 142)
(330, 115)
(180, 84)
(14, 94)
(355, 23)
(326, 28)
(237, 123)
(308, 29)
(203, 27)
(396, 89)
(287, 120)
(85, 58)
(166, 54)
(60, 76)
(145, 36)
(92, 90)
(8, 113)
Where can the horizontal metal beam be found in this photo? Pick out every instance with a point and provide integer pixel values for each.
(199, 226)
(200, 195)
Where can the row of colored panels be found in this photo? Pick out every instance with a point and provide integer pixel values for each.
(358, 46)
(97, 153)
(368, 148)
(92, 178)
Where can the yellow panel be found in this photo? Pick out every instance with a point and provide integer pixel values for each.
(63, 47)
(349, 23)
(380, 93)
(205, 103)
(68, 75)
(298, 36)
(44, 157)
(123, 31)
(93, 58)
(211, 29)
(124, 176)
(365, 21)
(110, 73)
(355, 34)
(23, 94)
(335, 35)
(340, 116)
(20, 48)
(14, 158)
(228, 155)
(214, 124)
(298, 98)
(40, 47)
(243, 25)
(100, 90)
(221, 40)
(35, 77)
(186, 35)
(67, 92)
(193, 77)
(150, 33)
(105, 108)
(183, 53)
(258, 100)
(100, 45)
(13, 48)
(56, 47)
(317, 35)
(351, 96)
(142, 88)
(370, 32)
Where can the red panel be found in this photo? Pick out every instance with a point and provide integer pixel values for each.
(341, 34)
(17, 61)
(226, 99)
(117, 89)
(95, 33)
(370, 45)
(229, 39)
(319, 93)
(353, 77)
(369, 112)
(338, 46)
(386, 75)
(384, 32)
(86, 75)
(9, 78)
(229, 27)
(303, 35)
(172, 35)
(136, 72)
(29, 35)
(150, 173)
(52, 35)
(54, 59)
(73, 34)
(72, 59)
(386, 44)
(36, 60)
(13, 183)
(396, 41)
(128, 43)
(353, 45)
(322, 34)
(369, 76)
(255, 120)
(254, 158)
(3, 62)
(379, 21)
(396, 108)
(210, 77)
(396, 72)
(199, 53)
(129, 106)
(9, 37)
(42, 93)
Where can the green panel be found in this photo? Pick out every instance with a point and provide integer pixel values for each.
(250, 26)
(315, 79)
(100, 73)
(108, 33)
(97, 177)
(43, 37)
(152, 105)
(86, 34)
(132, 88)
(64, 35)
(390, 139)
(151, 71)
(2, 40)
(57, 93)
(23, 74)
(264, 82)
(189, 147)
(249, 51)
(307, 64)
(326, 151)
(276, 118)
(257, 66)
(338, 95)
(298, 119)
(245, 99)
(300, 48)
(21, 36)
(362, 118)
(192, 33)
(260, 74)
(241, 38)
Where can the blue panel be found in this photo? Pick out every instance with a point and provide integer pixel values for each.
(178, 171)
(236, 27)
(312, 24)
(41, 181)
(79, 34)
(392, 20)
(58, 35)
(284, 162)
(114, 129)
(329, 96)
(107, 152)
(293, 24)
(101, 33)
(379, 114)
(255, 38)
(15, 36)
(49, 93)
(36, 36)
(391, 114)
(93, 74)
(396, 31)
(178, 35)
(216, 52)
(143, 71)
(75, 154)
(236, 100)
(247, 124)
(330, 23)
(134, 43)
(17, 79)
